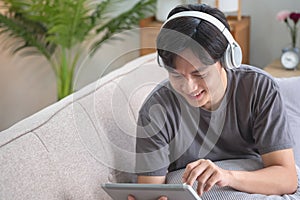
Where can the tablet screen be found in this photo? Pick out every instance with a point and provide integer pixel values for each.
(150, 191)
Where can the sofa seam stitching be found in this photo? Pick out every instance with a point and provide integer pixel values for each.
(95, 128)
(19, 136)
(56, 171)
(41, 141)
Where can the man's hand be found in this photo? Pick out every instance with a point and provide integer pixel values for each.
(130, 197)
(150, 180)
(207, 174)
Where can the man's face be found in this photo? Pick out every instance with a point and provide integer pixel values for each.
(201, 85)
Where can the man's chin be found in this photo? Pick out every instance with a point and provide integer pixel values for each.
(195, 104)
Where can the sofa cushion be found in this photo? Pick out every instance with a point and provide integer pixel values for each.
(108, 137)
(26, 170)
(290, 92)
(79, 173)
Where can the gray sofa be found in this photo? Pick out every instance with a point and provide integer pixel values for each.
(67, 150)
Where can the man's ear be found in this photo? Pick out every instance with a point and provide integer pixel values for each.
(222, 62)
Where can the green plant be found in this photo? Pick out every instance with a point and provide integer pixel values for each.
(60, 29)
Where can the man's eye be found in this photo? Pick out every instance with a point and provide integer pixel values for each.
(200, 75)
(176, 76)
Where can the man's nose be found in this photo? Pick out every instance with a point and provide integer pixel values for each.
(189, 85)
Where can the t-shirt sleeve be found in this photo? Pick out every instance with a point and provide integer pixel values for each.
(271, 130)
(152, 148)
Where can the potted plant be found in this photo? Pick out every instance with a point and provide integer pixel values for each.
(60, 29)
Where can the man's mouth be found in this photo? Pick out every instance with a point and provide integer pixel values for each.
(197, 95)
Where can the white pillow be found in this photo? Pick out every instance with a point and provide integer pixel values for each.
(290, 92)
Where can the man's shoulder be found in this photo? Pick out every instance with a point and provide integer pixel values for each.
(253, 75)
(162, 94)
(249, 70)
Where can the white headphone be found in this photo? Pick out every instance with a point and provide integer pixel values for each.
(233, 54)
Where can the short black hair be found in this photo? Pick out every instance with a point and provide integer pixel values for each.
(203, 38)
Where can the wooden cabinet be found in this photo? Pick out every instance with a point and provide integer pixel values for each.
(240, 30)
(276, 69)
(148, 33)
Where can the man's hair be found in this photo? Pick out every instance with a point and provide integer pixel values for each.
(203, 38)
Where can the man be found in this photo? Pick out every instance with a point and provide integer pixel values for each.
(210, 109)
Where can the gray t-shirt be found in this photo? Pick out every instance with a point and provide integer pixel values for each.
(249, 122)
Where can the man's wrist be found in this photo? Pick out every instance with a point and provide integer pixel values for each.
(231, 179)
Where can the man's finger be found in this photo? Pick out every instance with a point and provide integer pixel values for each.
(163, 198)
(130, 197)
(189, 168)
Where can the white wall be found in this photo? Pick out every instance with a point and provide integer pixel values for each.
(28, 84)
(268, 36)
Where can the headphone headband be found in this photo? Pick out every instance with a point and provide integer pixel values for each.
(233, 57)
(206, 17)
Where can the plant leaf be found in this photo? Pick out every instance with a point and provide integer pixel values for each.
(70, 24)
(32, 34)
(124, 21)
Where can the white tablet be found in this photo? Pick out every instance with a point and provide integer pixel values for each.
(150, 191)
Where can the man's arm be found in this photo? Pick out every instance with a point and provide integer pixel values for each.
(278, 176)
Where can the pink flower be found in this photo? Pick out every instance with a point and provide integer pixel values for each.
(291, 19)
(283, 15)
(295, 17)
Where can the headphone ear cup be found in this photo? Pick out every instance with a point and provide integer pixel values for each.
(233, 56)
(228, 58)
(236, 53)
